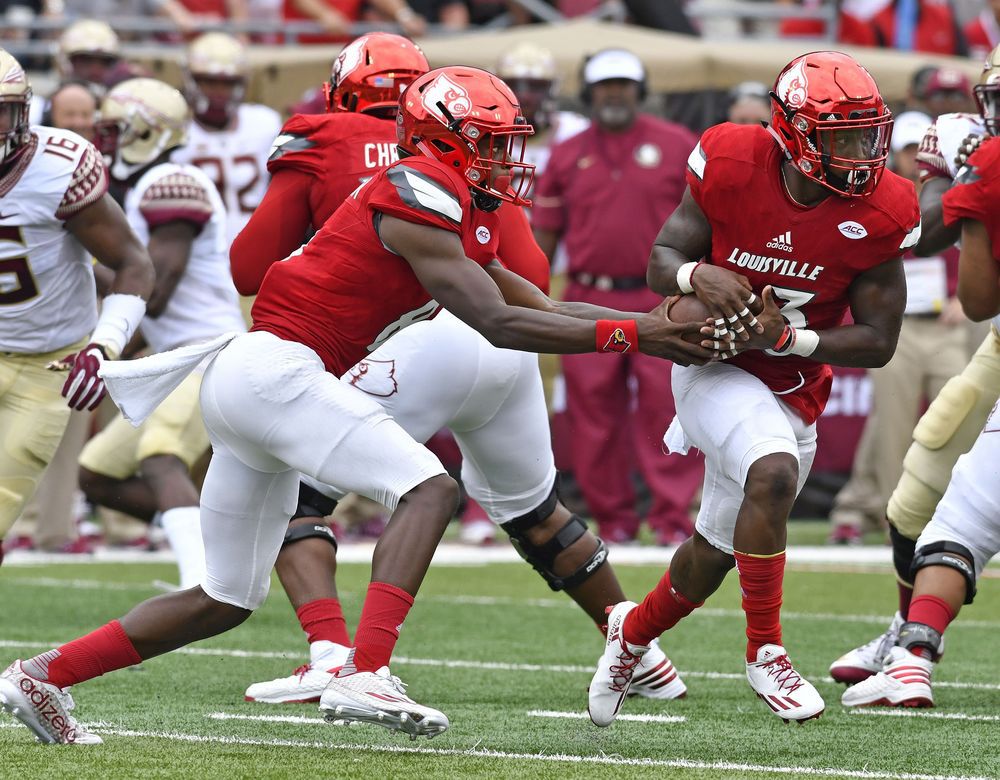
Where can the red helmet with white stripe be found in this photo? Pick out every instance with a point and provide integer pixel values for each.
(827, 113)
(470, 120)
(371, 72)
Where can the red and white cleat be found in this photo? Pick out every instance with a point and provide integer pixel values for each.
(615, 669)
(656, 677)
(868, 659)
(905, 681)
(788, 695)
(43, 708)
(305, 684)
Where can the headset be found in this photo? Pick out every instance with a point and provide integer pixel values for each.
(585, 88)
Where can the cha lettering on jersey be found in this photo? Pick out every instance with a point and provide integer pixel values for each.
(784, 266)
(381, 155)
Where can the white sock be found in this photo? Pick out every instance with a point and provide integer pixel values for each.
(324, 654)
(183, 529)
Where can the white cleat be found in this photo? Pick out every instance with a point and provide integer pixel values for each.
(789, 695)
(43, 708)
(656, 677)
(379, 698)
(307, 683)
(905, 681)
(615, 669)
(862, 662)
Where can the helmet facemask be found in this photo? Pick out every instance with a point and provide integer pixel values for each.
(214, 110)
(988, 99)
(14, 129)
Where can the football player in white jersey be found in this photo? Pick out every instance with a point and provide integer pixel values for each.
(952, 422)
(229, 140)
(54, 214)
(176, 211)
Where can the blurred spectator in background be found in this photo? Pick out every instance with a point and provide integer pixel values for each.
(606, 192)
(983, 33)
(948, 91)
(336, 17)
(749, 104)
(932, 349)
(660, 14)
(73, 106)
(451, 14)
(917, 91)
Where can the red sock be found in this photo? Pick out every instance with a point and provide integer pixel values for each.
(931, 611)
(760, 581)
(905, 594)
(99, 652)
(662, 609)
(382, 616)
(323, 620)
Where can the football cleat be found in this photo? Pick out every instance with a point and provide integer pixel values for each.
(43, 708)
(656, 677)
(379, 698)
(615, 669)
(864, 661)
(307, 683)
(905, 681)
(789, 695)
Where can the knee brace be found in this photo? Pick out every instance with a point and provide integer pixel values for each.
(947, 554)
(903, 550)
(296, 533)
(312, 503)
(543, 556)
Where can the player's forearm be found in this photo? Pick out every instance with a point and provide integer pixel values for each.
(935, 236)
(661, 275)
(857, 346)
(588, 311)
(531, 330)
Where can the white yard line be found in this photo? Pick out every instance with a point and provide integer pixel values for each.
(558, 758)
(924, 714)
(267, 718)
(585, 716)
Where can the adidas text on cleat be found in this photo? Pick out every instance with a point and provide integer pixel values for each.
(864, 661)
(655, 677)
(615, 669)
(789, 695)
(43, 708)
(905, 681)
(379, 698)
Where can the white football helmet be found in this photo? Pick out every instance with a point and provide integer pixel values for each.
(532, 73)
(88, 49)
(215, 78)
(141, 119)
(15, 95)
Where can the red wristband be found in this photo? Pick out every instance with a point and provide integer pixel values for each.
(786, 340)
(617, 336)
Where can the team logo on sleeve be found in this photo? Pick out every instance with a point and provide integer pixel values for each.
(793, 86)
(853, 230)
(452, 96)
(348, 60)
(617, 342)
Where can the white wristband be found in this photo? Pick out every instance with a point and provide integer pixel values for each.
(805, 342)
(121, 314)
(684, 277)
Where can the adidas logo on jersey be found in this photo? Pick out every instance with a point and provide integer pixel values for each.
(782, 242)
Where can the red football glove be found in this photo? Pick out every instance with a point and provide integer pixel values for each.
(84, 389)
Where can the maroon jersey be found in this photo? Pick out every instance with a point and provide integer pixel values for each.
(809, 255)
(977, 191)
(345, 293)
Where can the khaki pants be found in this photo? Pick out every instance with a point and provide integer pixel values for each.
(927, 356)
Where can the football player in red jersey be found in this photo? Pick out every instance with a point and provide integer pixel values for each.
(415, 237)
(964, 533)
(493, 399)
(804, 213)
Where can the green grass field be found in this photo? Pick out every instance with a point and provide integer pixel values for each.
(494, 649)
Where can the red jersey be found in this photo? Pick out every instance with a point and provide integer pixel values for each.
(809, 255)
(345, 293)
(977, 191)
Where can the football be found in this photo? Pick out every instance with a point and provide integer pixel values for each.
(689, 308)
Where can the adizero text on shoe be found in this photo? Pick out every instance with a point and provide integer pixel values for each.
(305, 684)
(615, 669)
(905, 681)
(655, 677)
(43, 708)
(788, 695)
(379, 698)
(864, 661)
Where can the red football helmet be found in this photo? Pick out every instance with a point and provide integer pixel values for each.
(371, 72)
(827, 113)
(470, 120)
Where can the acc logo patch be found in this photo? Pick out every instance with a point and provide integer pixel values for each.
(483, 234)
(617, 342)
(853, 230)
(375, 377)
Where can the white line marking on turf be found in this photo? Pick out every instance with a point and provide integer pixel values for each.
(500, 666)
(57, 582)
(266, 718)
(911, 714)
(559, 758)
(585, 716)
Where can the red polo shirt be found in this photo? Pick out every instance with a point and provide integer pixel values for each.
(608, 194)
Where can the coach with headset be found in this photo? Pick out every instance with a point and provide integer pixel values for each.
(605, 193)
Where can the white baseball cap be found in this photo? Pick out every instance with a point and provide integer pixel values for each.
(909, 128)
(613, 64)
